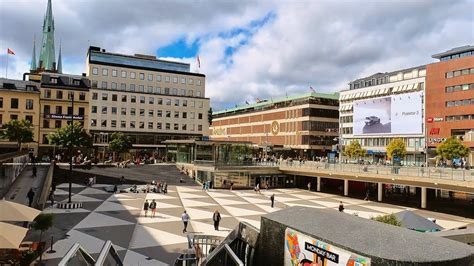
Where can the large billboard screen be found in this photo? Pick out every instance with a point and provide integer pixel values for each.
(392, 115)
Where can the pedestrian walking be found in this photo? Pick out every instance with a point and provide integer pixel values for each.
(341, 206)
(115, 189)
(145, 207)
(165, 188)
(203, 186)
(366, 195)
(272, 198)
(309, 185)
(153, 208)
(216, 218)
(51, 197)
(30, 195)
(185, 217)
(198, 251)
(34, 171)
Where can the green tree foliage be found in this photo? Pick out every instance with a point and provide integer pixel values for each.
(452, 148)
(388, 219)
(70, 137)
(20, 131)
(42, 223)
(120, 143)
(354, 150)
(396, 148)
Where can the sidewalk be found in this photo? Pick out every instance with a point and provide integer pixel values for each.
(24, 182)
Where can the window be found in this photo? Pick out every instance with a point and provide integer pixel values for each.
(192, 127)
(133, 99)
(47, 94)
(123, 111)
(465, 72)
(190, 81)
(185, 103)
(176, 127)
(150, 78)
(142, 76)
(167, 79)
(158, 77)
(158, 125)
(167, 91)
(199, 127)
(149, 89)
(192, 115)
(159, 113)
(13, 117)
(198, 82)
(59, 110)
(457, 73)
(54, 80)
(141, 125)
(142, 99)
(45, 123)
(93, 122)
(46, 109)
(185, 115)
(200, 116)
(168, 101)
(95, 96)
(183, 80)
(103, 123)
(168, 126)
(150, 113)
(175, 80)
(1, 119)
(132, 87)
(160, 101)
(158, 90)
(29, 118)
(14, 103)
(190, 93)
(183, 127)
(59, 95)
(114, 72)
(175, 91)
(151, 100)
(82, 96)
(198, 93)
(183, 92)
(200, 104)
(57, 124)
(150, 125)
(81, 111)
(193, 104)
(95, 71)
(114, 85)
(176, 102)
(69, 110)
(132, 124)
(124, 74)
(105, 72)
(70, 95)
(94, 84)
(114, 110)
(168, 113)
(113, 123)
(176, 114)
(132, 75)
(114, 97)
(104, 96)
(104, 109)
(124, 98)
(29, 104)
(132, 111)
(465, 87)
(104, 85)
(123, 124)
(123, 86)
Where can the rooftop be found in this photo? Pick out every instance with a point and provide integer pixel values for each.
(18, 85)
(379, 74)
(454, 51)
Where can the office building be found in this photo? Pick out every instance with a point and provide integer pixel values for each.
(302, 125)
(149, 99)
(19, 100)
(377, 109)
(450, 98)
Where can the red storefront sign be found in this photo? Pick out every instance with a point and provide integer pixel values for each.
(434, 131)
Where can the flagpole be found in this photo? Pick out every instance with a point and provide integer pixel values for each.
(6, 70)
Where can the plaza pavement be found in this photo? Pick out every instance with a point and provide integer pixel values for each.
(158, 241)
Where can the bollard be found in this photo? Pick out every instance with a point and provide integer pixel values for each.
(51, 250)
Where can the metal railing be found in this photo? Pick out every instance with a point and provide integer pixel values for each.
(414, 171)
(77, 255)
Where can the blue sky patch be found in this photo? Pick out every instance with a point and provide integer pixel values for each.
(179, 49)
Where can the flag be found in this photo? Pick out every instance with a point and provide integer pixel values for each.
(311, 88)
(198, 61)
(10, 51)
(247, 102)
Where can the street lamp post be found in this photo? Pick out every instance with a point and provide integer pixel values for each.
(71, 146)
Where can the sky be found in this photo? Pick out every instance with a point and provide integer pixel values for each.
(248, 49)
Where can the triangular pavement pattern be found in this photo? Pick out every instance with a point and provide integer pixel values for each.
(100, 220)
(327, 204)
(197, 214)
(196, 203)
(158, 196)
(257, 200)
(208, 229)
(159, 218)
(144, 236)
(238, 212)
(188, 189)
(220, 195)
(60, 192)
(386, 210)
(285, 199)
(66, 185)
(306, 197)
(224, 202)
(60, 211)
(93, 191)
(120, 197)
(309, 205)
(82, 198)
(267, 208)
(133, 258)
(185, 195)
(112, 206)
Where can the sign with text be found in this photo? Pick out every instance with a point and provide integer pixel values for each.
(63, 117)
(395, 114)
(302, 250)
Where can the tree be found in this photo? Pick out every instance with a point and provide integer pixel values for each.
(42, 223)
(396, 148)
(20, 131)
(354, 150)
(119, 143)
(70, 137)
(452, 148)
(388, 219)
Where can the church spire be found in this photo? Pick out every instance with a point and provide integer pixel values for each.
(47, 55)
(33, 56)
(60, 61)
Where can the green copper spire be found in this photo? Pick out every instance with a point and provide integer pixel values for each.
(47, 55)
(60, 61)
(33, 56)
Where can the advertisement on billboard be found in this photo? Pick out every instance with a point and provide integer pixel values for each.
(302, 250)
(396, 115)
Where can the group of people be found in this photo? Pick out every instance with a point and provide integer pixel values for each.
(206, 185)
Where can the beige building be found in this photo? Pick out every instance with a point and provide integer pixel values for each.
(149, 99)
(19, 100)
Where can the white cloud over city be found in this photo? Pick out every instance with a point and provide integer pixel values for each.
(248, 49)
